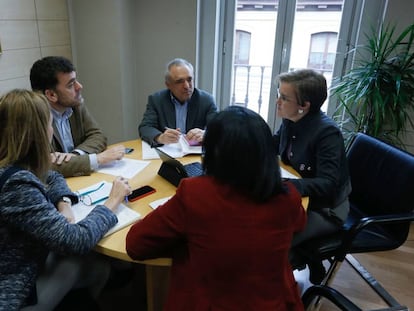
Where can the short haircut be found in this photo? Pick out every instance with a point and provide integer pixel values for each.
(44, 72)
(180, 62)
(239, 151)
(24, 141)
(310, 86)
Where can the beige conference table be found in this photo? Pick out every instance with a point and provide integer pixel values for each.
(114, 244)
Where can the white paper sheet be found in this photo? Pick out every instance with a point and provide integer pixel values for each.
(180, 149)
(286, 174)
(158, 202)
(177, 150)
(126, 167)
(148, 152)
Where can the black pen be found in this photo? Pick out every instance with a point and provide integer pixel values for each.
(168, 128)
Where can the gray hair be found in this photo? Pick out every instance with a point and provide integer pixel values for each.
(180, 62)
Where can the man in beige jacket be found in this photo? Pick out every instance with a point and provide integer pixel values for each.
(79, 145)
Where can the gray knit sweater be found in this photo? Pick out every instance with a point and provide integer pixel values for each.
(31, 226)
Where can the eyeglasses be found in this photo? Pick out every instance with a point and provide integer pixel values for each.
(283, 97)
(87, 197)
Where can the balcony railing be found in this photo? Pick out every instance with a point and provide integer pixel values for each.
(251, 86)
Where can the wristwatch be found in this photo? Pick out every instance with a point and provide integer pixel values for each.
(66, 200)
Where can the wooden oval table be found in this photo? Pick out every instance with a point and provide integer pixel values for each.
(114, 244)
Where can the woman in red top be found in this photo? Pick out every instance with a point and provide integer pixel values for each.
(229, 231)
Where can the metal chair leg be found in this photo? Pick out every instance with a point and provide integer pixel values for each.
(375, 285)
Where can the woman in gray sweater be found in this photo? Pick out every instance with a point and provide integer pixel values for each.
(36, 222)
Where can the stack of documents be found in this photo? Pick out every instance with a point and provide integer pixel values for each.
(180, 149)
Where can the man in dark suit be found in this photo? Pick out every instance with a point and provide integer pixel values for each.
(79, 145)
(179, 109)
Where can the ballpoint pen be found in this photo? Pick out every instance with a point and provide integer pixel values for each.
(169, 128)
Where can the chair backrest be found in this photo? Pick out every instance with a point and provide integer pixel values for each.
(382, 176)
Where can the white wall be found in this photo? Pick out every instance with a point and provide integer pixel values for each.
(103, 53)
(164, 30)
(400, 13)
(30, 30)
(120, 50)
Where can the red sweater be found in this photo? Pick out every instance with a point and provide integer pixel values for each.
(228, 252)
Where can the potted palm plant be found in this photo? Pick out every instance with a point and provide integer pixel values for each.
(376, 96)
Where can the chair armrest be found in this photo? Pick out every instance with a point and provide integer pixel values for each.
(330, 294)
(382, 219)
(352, 232)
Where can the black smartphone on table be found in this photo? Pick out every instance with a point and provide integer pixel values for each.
(140, 193)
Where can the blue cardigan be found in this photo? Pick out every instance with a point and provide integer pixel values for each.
(31, 226)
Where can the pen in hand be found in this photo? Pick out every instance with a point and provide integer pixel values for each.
(169, 136)
(119, 191)
(171, 129)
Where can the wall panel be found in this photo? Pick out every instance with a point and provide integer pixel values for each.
(17, 9)
(51, 9)
(29, 30)
(17, 63)
(18, 34)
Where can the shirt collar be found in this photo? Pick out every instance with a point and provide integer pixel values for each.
(65, 115)
(176, 101)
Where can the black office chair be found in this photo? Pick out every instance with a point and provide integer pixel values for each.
(381, 210)
(331, 294)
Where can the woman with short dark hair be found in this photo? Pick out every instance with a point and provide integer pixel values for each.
(229, 231)
(312, 143)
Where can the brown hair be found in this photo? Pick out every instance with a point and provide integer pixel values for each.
(310, 86)
(24, 141)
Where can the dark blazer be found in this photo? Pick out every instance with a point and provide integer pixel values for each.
(318, 155)
(160, 113)
(87, 136)
(228, 252)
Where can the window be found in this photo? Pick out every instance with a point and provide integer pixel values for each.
(322, 51)
(242, 47)
(283, 35)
